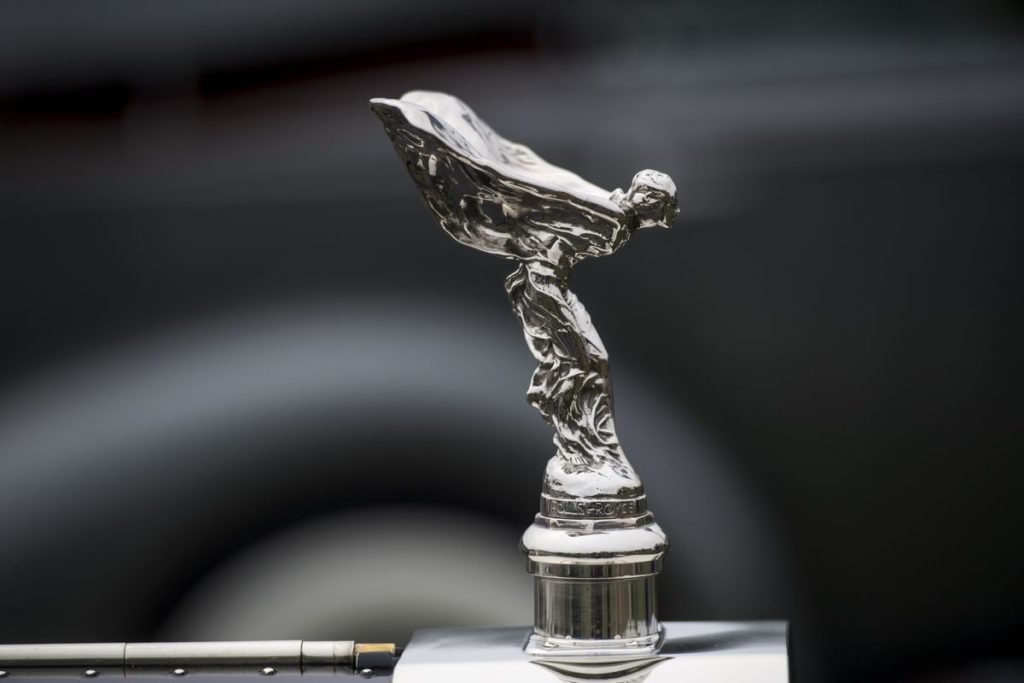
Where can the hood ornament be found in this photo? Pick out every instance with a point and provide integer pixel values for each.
(594, 549)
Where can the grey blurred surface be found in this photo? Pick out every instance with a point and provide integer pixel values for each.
(202, 358)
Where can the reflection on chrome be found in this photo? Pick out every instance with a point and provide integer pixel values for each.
(614, 671)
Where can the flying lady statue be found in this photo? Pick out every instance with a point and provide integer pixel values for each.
(499, 197)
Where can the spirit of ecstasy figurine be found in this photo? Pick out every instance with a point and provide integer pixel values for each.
(593, 548)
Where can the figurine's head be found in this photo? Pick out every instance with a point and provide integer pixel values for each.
(653, 196)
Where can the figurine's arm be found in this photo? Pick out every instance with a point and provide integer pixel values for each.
(482, 209)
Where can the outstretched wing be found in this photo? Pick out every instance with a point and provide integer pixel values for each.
(495, 195)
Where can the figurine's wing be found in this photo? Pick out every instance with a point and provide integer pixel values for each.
(492, 194)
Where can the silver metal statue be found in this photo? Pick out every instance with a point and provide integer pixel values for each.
(593, 548)
(499, 197)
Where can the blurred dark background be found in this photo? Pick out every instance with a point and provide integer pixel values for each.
(248, 389)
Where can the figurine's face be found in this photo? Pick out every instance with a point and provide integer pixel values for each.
(653, 196)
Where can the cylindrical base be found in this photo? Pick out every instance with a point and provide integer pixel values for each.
(595, 609)
(594, 579)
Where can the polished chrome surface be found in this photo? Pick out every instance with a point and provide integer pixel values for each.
(265, 658)
(593, 548)
(499, 197)
(691, 652)
(594, 584)
(626, 606)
